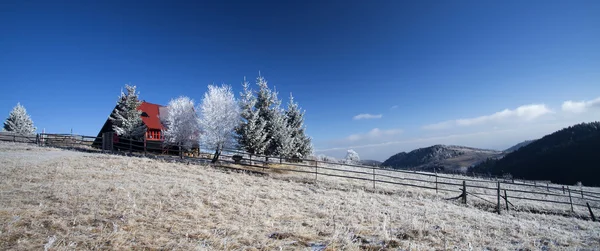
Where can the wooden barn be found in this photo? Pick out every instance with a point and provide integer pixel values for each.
(153, 140)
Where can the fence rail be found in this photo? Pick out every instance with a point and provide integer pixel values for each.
(516, 191)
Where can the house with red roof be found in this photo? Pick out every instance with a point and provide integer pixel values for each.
(151, 116)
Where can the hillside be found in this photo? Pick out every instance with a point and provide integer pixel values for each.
(441, 157)
(65, 200)
(517, 146)
(566, 156)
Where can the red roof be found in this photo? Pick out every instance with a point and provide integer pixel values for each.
(152, 121)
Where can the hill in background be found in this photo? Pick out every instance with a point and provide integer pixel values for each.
(441, 157)
(518, 146)
(567, 156)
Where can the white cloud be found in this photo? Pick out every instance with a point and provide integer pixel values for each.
(374, 134)
(580, 106)
(521, 113)
(367, 116)
(394, 107)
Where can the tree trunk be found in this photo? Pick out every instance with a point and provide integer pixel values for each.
(217, 154)
(180, 151)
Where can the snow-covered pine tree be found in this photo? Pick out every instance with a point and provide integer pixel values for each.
(126, 118)
(267, 106)
(219, 115)
(251, 134)
(181, 122)
(302, 146)
(19, 122)
(282, 143)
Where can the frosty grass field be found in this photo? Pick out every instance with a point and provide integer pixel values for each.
(64, 200)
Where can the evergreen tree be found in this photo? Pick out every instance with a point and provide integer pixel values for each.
(301, 144)
(19, 122)
(267, 106)
(251, 135)
(282, 144)
(126, 118)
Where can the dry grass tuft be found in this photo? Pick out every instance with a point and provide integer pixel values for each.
(60, 200)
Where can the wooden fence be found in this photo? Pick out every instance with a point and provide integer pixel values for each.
(501, 194)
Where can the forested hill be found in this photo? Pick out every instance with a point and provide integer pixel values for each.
(566, 156)
(440, 157)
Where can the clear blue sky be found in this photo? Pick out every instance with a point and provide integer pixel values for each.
(416, 64)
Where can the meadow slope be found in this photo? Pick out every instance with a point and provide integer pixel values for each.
(63, 200)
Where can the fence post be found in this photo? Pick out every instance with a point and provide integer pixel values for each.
(591, 213)
(563, 189)
(373, 179)
(570, 200)
(465, 192)
(498, 205)
(103, 142)
(581, 192)
(436, 183)
(547, 187)
(316, 169)
(145, 151)
(506, 200)
(37, 139)
(14, 137)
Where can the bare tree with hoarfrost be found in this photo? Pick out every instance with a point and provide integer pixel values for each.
(219, 115)
(126, 118)
(19, 122)
(182, 124)
(325, 158)
(352, 157)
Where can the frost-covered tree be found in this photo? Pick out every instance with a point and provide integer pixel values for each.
(325, 158)
(282, 144)
(251, 135)
(275, 132)
(219, 115)
(19, 122)
(126, 118)
(181, 122)
(267, 106)
(301, 144)
(352, 157)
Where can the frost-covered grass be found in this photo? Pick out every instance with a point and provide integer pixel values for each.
(71, 200)
(484, 190)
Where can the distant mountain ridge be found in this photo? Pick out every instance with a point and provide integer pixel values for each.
(441, 157)
(517, 146)
(566, 156)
